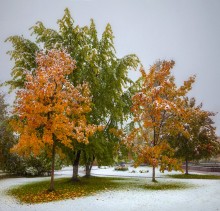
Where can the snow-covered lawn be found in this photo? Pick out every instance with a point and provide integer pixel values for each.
(204, 195)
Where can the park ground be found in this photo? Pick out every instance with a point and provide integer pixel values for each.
(201, 195)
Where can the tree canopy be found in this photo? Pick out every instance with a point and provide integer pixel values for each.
(201, 141)
(96, 63)
(49, 110)
(156, 108)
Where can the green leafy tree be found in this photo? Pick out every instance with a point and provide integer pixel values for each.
(97, 64)
(201, 143)
(7, 139)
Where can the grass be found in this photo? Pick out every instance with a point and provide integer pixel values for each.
(193, 176)
(65, 189)
(166, 186)
(162, 185)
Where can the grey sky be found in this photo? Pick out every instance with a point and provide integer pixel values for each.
(187, 31)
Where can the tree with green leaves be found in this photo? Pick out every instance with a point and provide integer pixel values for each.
(97, 64)
(7, 139)
(201, 143)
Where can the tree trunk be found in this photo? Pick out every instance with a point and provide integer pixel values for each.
(76, 166)
(88, 170)
(187, 167)
(52, 169)
(89, 167)
(154, 144)
(153, 174)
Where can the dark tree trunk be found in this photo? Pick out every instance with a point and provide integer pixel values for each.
(88, 171)
(76, 166)
(153, 174)
(52, 169)
(187, 167)
(154, 144)
(89, 167)
(92, 163)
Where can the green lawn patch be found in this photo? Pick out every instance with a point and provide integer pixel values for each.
(193, 176)
(166, 186)
(66, 189)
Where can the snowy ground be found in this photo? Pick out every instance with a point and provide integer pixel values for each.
(204, 196)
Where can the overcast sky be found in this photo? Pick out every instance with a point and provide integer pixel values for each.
(187, 31)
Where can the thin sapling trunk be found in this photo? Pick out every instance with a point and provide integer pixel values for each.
(52, 169)
(187, 167)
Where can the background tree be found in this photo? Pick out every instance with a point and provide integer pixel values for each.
(12, 162)
(7, 139)
(202, 140)
(50, 111)
(96, 63)
(156, 110)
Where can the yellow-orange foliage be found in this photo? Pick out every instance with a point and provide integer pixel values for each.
(50, 108)
(157, 108)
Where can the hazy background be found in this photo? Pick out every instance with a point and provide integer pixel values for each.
(187, 31)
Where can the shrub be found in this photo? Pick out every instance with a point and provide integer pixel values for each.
(121, 168)
(31, 171)
(143, 171)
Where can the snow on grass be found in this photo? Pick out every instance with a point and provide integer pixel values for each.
(203, 195)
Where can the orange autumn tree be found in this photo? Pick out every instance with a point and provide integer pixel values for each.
(49, 111)
(157, 109)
